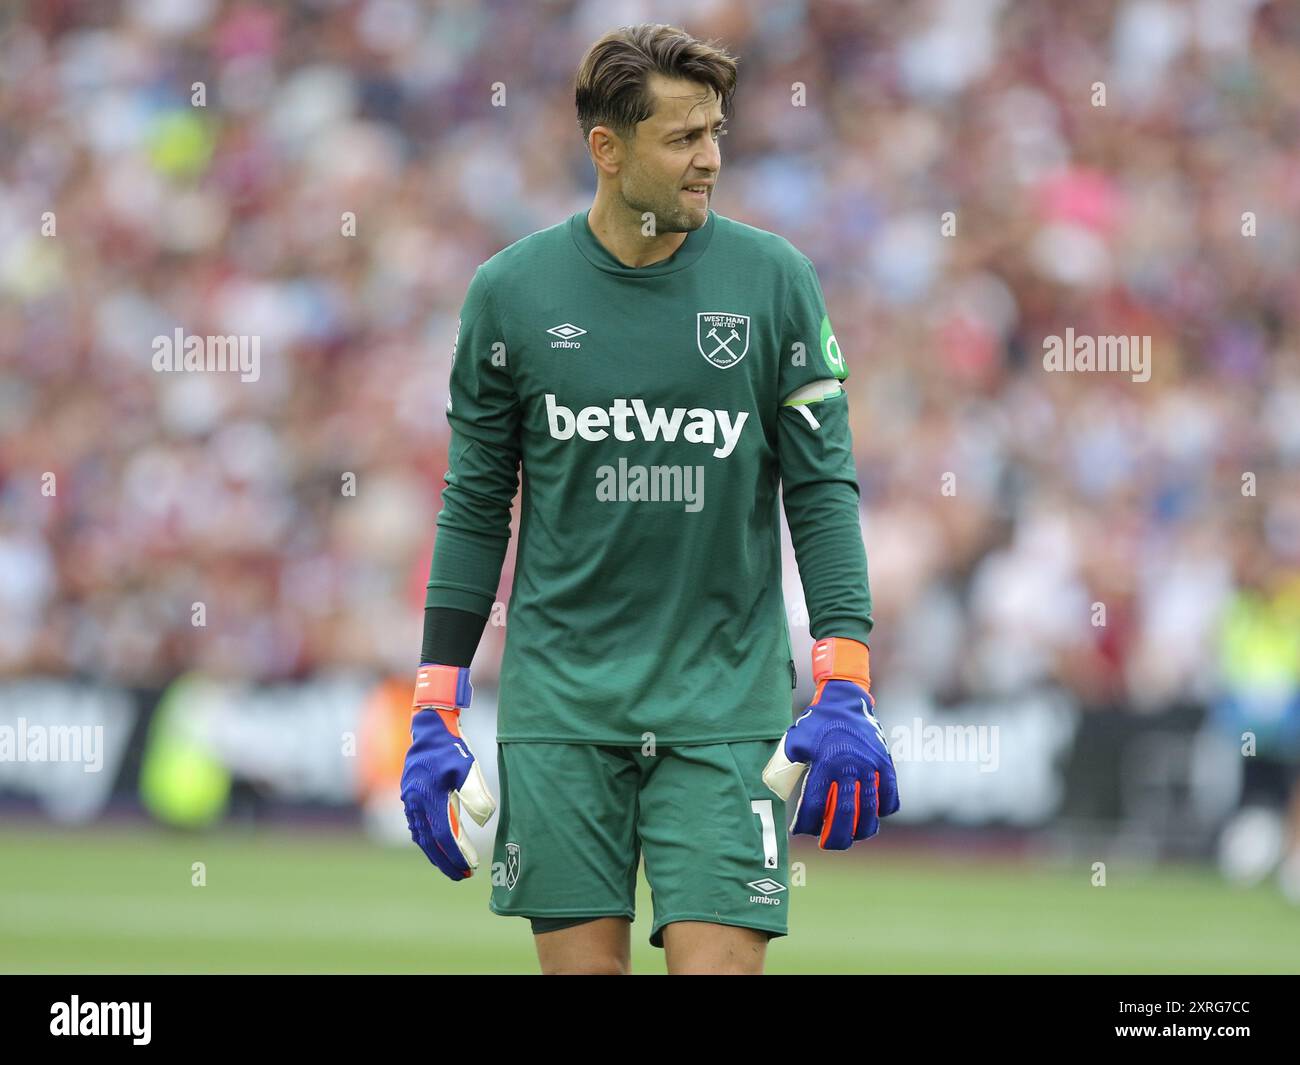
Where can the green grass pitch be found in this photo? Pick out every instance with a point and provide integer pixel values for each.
(120, 900)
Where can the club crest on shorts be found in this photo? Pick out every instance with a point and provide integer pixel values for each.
(512, 865)
(722, 338)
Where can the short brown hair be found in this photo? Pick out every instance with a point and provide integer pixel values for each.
(612, 89)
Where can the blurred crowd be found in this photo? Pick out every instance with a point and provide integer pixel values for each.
(1116, 168)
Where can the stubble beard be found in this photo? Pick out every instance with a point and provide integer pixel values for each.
(669, 215)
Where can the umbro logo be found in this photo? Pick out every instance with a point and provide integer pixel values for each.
(566, 334)
(769, 888)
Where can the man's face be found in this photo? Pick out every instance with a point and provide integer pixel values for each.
(675, 147)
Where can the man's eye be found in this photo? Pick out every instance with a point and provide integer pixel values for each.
(691, 136)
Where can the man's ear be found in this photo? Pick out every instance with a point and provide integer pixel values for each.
(606, 149)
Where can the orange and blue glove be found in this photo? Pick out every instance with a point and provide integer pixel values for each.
(442, 776)
(851, 782)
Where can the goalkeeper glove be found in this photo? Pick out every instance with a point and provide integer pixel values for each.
(441, 773)
(851, 781)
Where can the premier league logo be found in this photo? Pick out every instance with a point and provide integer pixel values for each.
(722, 338)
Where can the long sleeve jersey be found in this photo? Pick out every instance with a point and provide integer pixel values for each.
(659, 415)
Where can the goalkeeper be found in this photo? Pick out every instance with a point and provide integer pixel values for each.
(665, 377)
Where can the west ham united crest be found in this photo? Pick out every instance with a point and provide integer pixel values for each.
(722, 338)
(512, 865)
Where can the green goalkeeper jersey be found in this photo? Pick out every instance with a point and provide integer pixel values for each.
(648, 408)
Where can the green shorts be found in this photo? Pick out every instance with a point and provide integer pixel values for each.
(576, 818)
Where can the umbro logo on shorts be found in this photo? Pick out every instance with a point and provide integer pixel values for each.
(768, 887)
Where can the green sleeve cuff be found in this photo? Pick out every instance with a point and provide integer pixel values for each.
(455, 598)
(848, 628)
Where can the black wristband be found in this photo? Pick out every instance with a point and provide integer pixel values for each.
(451, 636)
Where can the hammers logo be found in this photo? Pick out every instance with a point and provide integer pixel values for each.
(722, 338)
(512, 865)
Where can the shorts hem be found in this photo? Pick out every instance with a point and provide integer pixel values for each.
(656, 933)
(659, 740)
(629, 914)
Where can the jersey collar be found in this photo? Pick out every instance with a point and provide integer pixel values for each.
(697, 240)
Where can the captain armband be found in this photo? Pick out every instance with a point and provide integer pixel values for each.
(814, 392)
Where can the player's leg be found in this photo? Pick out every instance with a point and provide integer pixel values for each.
(699, 948)
(566, 851)
(716, 856)
(600, 946)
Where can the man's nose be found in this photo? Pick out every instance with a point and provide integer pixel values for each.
(709, 158)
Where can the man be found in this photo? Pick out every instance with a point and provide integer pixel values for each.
(660, 372)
